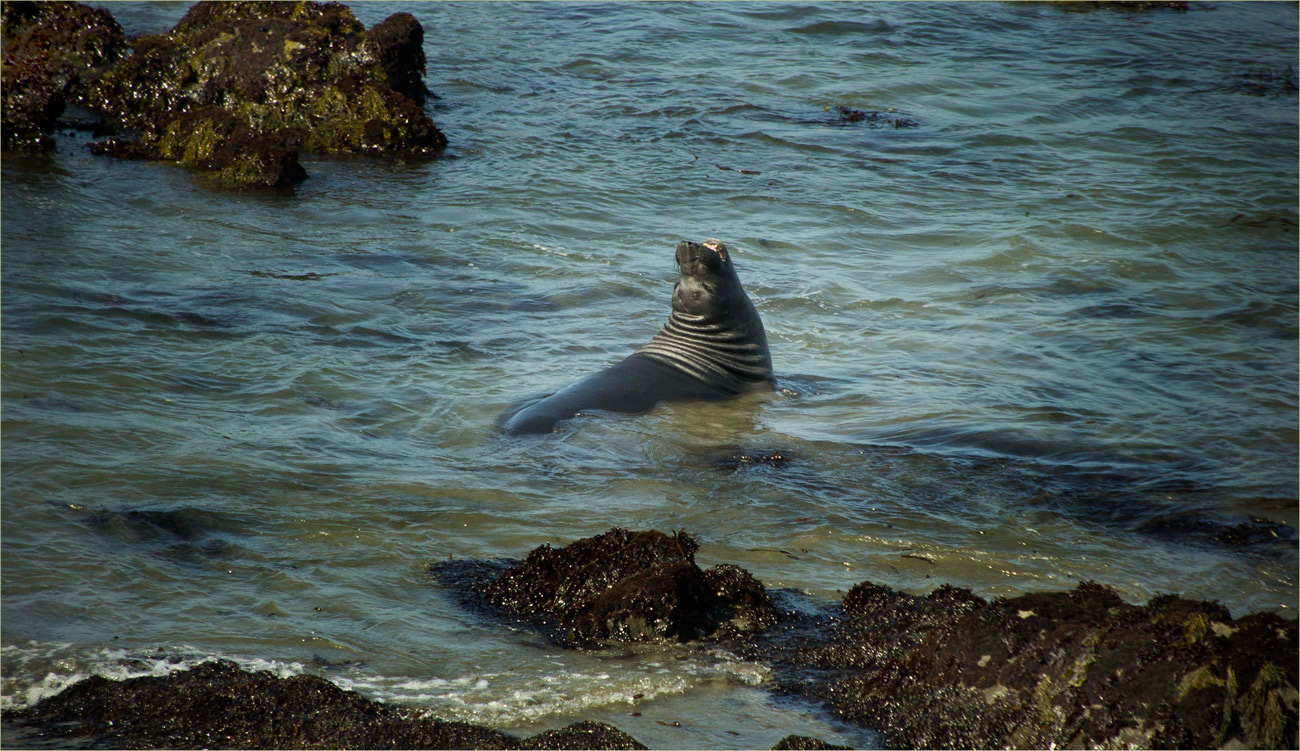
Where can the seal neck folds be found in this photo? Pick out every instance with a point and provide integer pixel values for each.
(714, 332)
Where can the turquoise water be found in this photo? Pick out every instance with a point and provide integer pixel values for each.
(1043, 330)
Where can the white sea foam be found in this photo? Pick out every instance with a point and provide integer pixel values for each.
(35, 670)
(498, 699)
(503, 699)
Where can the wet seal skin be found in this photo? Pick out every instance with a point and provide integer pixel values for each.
(712, 348)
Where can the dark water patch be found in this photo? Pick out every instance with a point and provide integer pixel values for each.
(362, 337)
(1128, 6)
(844, 28)
(1268, 315)
(1222, 528)
(309, 276)
(183, 319)
(1116, 309)
(163, 524)
(980, 442)
(184, 535)
(1175, 509)
(326, 664)
(1043, 292)
(1268, 82)
(1134, 492)
(1265, 221)
(320, 402)
(873, 118)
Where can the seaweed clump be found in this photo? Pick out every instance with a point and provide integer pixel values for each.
(238, 88)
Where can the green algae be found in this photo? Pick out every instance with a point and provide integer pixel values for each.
(297, 75)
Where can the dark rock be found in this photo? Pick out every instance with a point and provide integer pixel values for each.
(634, 586)
(1075, 669)
(53, 52)
(1079, 668)
(397, 43)
(235, 89)
(210, 138)
(586, 734)
(219, 705)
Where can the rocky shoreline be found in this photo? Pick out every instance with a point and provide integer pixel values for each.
(1078, 668)
(235, 90)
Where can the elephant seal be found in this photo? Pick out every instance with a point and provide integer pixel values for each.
(713, 348)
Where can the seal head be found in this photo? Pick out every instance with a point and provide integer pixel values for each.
(714, 332)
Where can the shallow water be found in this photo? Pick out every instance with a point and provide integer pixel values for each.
(1043, 330)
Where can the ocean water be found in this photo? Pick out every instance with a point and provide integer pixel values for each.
(1033, 316)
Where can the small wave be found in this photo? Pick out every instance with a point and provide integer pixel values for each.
(507, 698)
(35, 671)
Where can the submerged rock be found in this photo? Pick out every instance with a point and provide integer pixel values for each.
(219, 705)
(237, 88)
(632, 586)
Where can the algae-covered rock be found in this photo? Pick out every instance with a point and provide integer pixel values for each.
(220, 705)
(1065, 669)
(237, 88)
(210, 138)
(53, 53)
(630, 586)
